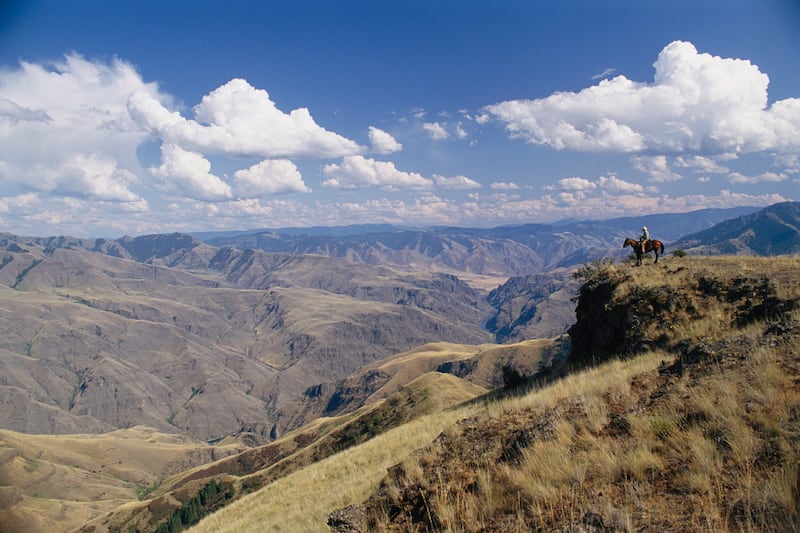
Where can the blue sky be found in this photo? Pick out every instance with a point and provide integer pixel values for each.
(150, 117)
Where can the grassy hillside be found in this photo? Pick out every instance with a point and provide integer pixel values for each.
(480, 364)
(238, 475)
(686, 416)
(58, 482)
(141, 479)
(412, 390)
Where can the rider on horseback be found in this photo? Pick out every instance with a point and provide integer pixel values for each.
(644, 238)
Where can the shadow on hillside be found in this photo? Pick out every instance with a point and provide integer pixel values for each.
(554, 367)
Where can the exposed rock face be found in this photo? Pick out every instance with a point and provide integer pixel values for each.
(617, 318)
(351, 519)
(531, 307)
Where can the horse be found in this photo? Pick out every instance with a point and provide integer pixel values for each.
(652, 245)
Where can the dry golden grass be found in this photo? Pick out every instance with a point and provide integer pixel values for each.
(303, 500)
(732, 469)
(65, 480)
(711, 450)
(407, 366)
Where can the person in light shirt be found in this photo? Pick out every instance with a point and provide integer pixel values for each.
(644, 238)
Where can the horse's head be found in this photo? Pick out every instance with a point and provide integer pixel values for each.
(628, 242)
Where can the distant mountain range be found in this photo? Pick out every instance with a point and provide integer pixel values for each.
(774, 230)
(502, 251)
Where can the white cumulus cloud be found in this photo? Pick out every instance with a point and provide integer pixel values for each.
(456, 183)
(383, 142)
(579, 188)
(657, 167)
(436, 131)
(357, 172)
(240, 120)
(190, 173)
(615, 185)
(504, 186)
(272, 176)
(696, 102)
(77, 110)
(576, 184)
(698, 163)
(790, 163)
(736, 177)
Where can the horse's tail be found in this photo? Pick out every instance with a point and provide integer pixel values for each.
(662, 247)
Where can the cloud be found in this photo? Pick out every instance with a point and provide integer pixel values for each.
(773, 177)
(357, 172)
(272, 176)
(657, 167)
(190, 174)
(700, 164)
(76, 108)
(239, 120)
(92, 175)
(576, 184)
(605, 73)
(790, 163)
(456, 183)
(383, 142)
(75, 216)
(13, 113)
(579, 188)
(696, 102)
(613, 184)
(22, 204)
(436, 131)
(504, 186)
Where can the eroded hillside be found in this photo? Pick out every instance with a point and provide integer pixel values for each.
(199, 340)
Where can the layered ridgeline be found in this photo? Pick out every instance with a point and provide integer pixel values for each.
(499, 252)
(676, 409)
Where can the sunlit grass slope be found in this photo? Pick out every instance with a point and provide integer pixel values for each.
(61, 481)
(301, 501)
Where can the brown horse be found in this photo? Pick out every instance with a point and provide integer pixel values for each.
(653, 245)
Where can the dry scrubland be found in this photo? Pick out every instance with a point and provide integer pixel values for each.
(694, 425)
